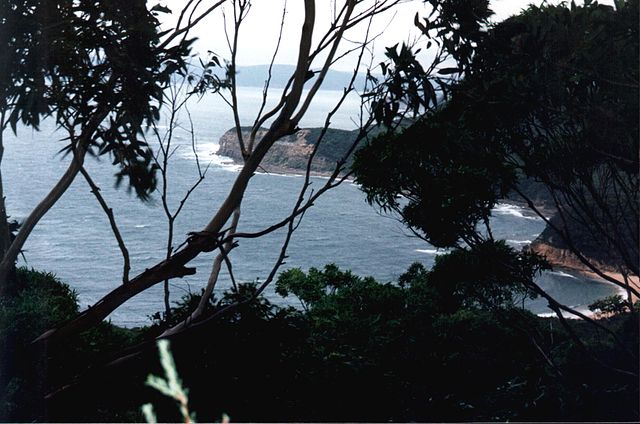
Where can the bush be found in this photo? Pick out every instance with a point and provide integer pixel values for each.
(29, 371)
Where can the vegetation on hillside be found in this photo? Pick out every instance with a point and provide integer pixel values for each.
(291, 153)
(430, 347)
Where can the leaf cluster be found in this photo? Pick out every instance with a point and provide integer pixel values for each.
(435, 175)
(409, 88)
(81, 61)
(551, 96)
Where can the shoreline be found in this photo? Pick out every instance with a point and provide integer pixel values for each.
(557, 258)
(285, 171)
(563, 258)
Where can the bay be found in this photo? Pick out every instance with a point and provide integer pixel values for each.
(74, 240)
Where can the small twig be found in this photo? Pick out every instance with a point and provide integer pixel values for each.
(170, 385)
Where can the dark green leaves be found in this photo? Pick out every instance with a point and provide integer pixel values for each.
(440, 183)
(551, 94)
(160, 8)
(75, 60)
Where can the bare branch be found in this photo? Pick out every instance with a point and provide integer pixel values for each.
(192, 22)
(112, 222)
(225, 248)
(256, 125)
(240, 10)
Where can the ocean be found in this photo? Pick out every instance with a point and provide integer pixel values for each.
(74, 240)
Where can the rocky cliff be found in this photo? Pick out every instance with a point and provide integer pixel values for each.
(596, 248)
(291, 153)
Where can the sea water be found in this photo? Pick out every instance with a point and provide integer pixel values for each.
(75, 242)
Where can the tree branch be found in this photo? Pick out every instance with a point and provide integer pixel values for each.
(112, 222)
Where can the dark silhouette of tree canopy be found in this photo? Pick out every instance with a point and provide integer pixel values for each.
(550, 95)
(76, 59)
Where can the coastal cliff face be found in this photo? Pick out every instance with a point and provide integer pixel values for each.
(552, 245)
(291, 153)
(560, 257)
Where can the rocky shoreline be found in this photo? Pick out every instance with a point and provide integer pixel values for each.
(561, 257)
(290, 154)
(564, 258)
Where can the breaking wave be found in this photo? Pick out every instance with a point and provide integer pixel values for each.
(513, 210)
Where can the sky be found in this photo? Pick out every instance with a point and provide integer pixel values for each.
(259, 32)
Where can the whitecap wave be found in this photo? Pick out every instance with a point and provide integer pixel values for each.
(565, 314)
(513, 210)
(207, 154)
(261, 172)
(519, 241)
(563, 274)
(433, 251)
(223, 162)
(141, 226)
(204, 151)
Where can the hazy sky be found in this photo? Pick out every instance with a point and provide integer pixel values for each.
(259, 33)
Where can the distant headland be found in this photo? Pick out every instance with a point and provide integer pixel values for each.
(290, 154)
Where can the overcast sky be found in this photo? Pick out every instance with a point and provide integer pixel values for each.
(259, 32)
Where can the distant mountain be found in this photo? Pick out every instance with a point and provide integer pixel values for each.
(254, 76)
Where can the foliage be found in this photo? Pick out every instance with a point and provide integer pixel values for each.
(448, 184)
(82, 60)
(171, 387)
(490, 275)
(453, 29)
(372, 351)
(179, 312)
(26, 373)
(550, 95)
(260, 308)
(611, 305)
(44, 302)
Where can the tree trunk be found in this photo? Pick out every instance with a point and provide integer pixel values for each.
(7, 279)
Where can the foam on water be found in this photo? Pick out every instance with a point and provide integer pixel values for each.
(224, 162)
(275, 174)
(563, 274)
(565, 314)
(433, 251)
(513, 210)
(519, 241)
(207, 155)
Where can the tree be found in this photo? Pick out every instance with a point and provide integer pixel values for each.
(550, 95)
(98, 69)
(317, 53)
